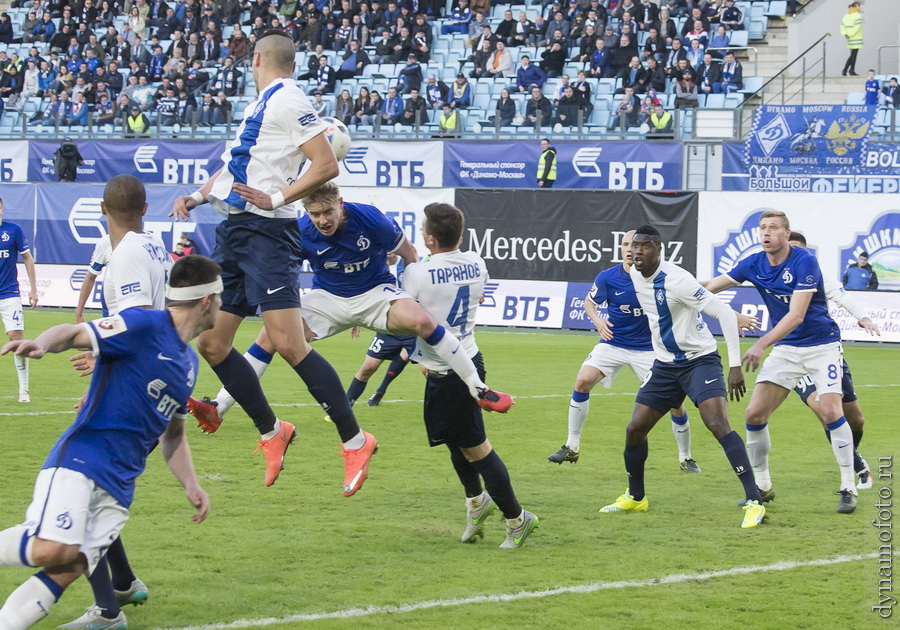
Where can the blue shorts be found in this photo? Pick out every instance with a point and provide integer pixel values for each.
(260, 261)
(452, 416)
(388, 347)
(667, 384)
(806, 388)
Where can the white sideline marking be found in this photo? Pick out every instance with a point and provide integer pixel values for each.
(591, 587)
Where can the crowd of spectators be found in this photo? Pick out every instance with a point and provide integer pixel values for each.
(142, 62)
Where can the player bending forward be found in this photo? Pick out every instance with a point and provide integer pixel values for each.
(687, 364)
(624, 340)
(83, 492)
(449, 285)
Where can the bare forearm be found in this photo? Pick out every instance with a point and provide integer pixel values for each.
(87, 287)
(61, 338)
(177, 454)
(311, 180)
(788, 323)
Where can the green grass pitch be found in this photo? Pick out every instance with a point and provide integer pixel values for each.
(301, 548)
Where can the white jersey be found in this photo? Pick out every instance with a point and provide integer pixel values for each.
(672, 299)
(266, 153)
(136, 273)
(836, 293)
(449, 286)
(100, 257)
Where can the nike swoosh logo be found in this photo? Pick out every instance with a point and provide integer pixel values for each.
(163, 357)
(271, 291)
(322, 251)
(712, 381)
(683, 431)
(843, 446)
(455, 351)
(94, 626)
(831, 384)
(619, 292)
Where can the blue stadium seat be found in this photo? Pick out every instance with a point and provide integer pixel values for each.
(715, 101)
(751, 84)
(739, 38)
(856, 98)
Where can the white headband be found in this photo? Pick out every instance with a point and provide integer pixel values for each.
(195, 292)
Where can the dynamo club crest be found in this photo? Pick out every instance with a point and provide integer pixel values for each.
(882, 242)
(802, 139)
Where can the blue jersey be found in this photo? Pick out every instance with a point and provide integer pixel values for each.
(12, 243)
(143, 376)
(799, 273)
(354, 259)
(630, 327)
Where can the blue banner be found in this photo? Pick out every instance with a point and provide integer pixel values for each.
(18, 208)
(650, 166)
(882, 243)
(153, 161)
(70, 221)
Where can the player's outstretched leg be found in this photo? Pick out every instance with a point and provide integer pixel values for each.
(681, 429)
(579, 405)
(105, 612)
(22, 373)
(842, 446)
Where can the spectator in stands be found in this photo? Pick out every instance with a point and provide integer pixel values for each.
(573, 10)
(851, 29)
(355, 60)
(223, 109)
(104, 110)
(666, 27)
(732, 17)
(628, 26)
(143, 93)
(872, 89)
(194, 47)
(114, 79)
(695, 54)
(384, 48)
(206, 110)
(415, 112)
(676, 54)
(449, 122)
(167, 106)
(30, 84)
(686, 92)
(138, 52)
(499, 63)
(209, 53)
(43, 31)
(371, 109)
(46, 77)
(48, 116)
(633, 76)
(184, 110)
(629, 108)
(732, 76)
(623, 55)
(320, 106)
(460, 95)
(325, 78)
(654, 45)
(239, 44)
(460, 16)
(505, 110)
(359, 31)
(601, 61)
(558, 23)
(478, 42)
(698, 32)
(860, 276)
(391, 108)
(713, 11)
(6, 29)
(522, 31)
(403, 45)
(343, 107)
(586, 45)
(690, 24)
(137, 23)
(708, 74)
(136, 123)
(436, 93)
(553, 60)
(891, 93)
(538, 109)
(507, 27)
(661, 123)
(10, 85)
(156, 66)
(719, 42)
(481, 59)
(649, 14)
(568, 110)
(539, 31)
(342, 35)
(78, 115)
(649, 101)
(410, 77)
(529, 75)
(629, 7)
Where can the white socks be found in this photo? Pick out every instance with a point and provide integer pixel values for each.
(224, 401)
(22, 372)
(682, 434)
(473, 503)
(578, 412)
(842, 445)
(11, 547)
(27, 605)
(454, 355)
(273, 432)
(357, 441)
(758, 445)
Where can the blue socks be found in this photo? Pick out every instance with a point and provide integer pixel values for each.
(325, 386)
(734, 449)
(356, 389)
(240, 380)
(497, 483)
(635, 456)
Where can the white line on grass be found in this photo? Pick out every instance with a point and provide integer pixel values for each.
(578, 589)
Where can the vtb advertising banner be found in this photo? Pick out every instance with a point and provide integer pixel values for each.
(392, 164)
(151, 161)
(571, 235)
(596, 165)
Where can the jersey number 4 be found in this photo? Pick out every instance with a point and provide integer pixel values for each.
(459, 312)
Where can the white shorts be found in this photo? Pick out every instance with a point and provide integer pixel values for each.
(69, 508)
(327, 314)
(11, 314)
(609, 359)
(786, 365)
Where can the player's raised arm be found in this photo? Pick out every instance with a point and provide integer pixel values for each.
(407, 252)
(719, 283)
(178, 457)
(53, 340)
(186, 203)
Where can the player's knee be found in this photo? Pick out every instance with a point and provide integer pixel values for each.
(213, 350)
(49, 553)
(755, 415)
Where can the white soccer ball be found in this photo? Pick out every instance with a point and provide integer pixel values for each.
(338, 135)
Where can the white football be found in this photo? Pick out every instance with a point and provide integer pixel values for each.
(338, 135)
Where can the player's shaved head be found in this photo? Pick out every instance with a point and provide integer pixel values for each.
(277, 50)
(125, 195)
(445, 223)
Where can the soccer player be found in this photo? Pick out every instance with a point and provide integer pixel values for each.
(624, 340)
(99, 260)
(83, 493)
(384, 347)
(806, 342)
(13, 244)
(347, 245)
(258, 246)
(687, 364)
(806, 388)
(449, 285)
(137, 265)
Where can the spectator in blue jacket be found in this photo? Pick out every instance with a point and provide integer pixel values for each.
(860, 276)
(528, 75)
(80, 109)
(872, 89)
(461, 17)
(391, 108)
(460, 95)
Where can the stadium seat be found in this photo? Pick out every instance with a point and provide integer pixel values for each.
(739, 39)
(751, 84)
(715, 101)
